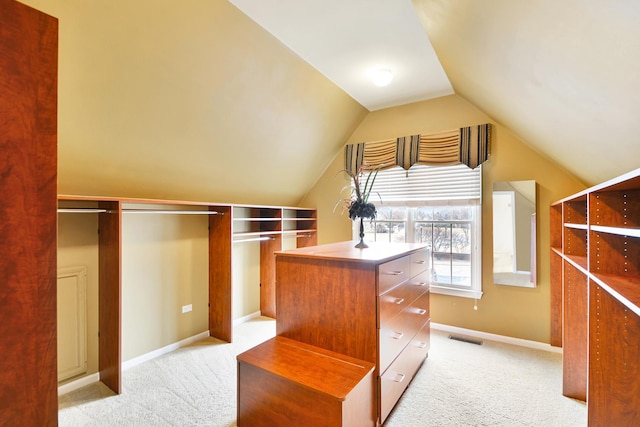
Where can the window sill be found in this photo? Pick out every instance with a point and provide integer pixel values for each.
(456, 292)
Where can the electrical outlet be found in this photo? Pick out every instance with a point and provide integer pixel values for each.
(187, 308)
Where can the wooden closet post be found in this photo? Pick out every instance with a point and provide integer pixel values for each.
(28, 221)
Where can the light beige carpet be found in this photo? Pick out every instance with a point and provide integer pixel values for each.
(460, 384)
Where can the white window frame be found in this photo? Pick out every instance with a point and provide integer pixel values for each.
(394, 199)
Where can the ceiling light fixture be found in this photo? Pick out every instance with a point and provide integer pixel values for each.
(382, 77)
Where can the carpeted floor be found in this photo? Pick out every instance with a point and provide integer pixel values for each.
(460, 384)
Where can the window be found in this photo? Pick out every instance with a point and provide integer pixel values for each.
(440, 206)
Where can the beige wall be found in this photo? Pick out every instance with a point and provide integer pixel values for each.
(505, 310)
(165, 265)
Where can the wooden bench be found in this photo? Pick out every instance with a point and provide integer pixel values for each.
(283, 382)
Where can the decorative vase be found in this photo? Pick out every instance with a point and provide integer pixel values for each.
(361, 244)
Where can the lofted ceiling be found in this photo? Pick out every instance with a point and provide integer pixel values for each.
(562, 75)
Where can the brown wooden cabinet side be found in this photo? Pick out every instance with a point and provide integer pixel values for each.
(28, 180)
(574, 356)
(556, 275)
(614, 362)
(220, 245)
(268, 275)
(329, 304)
(110, 295)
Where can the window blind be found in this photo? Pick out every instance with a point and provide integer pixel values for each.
(427, 185)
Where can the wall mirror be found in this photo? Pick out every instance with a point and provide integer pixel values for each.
(514, 233)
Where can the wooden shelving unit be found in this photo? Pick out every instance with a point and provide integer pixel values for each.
(227, 224)
(595, 268)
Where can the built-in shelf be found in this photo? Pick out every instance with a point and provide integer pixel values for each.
(595, 297)
(576, 226)
(625, 290)
(580, 262)
(228, 224)
(620, 231)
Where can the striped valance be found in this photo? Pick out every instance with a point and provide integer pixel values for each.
(469, 146)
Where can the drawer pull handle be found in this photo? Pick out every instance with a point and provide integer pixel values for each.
(399, 378)
(422, 311)
(399, 301)
(422, 344)
(396, 273)
(420, 284)
(421, 262)
(397, 335)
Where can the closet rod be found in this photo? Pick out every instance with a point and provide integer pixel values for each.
(297, 236)
(93, 210)
(169, 212)
(82, 210)
(256, 239)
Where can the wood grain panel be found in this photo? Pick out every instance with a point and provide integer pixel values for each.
(284, 382)
(268, 275)
(575, 211)
(556, 299)
(555, 220)
(315, 298)
(110, 295)
(310, 239)
(614, 368)
(220, 243)
(615, 255)
(574, 355)
(615, 208)
(575, 242)
(28, 167)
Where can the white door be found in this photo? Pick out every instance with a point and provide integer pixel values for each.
(72, 322)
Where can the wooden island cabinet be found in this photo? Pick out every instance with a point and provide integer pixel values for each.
(368, 304)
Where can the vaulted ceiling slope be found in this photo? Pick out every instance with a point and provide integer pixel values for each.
(189, 100)
(563, 75)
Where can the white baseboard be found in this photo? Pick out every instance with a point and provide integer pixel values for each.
(164, 350)
(246, 318)
(93, 378)
(494, 337)
(79, 383)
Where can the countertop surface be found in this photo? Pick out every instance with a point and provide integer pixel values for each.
(346, 251)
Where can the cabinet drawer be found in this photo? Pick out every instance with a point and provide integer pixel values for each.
(397, 377)
(422, 342)
(393, 273)
(397, 332)
(420, 261)
(400, 297)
